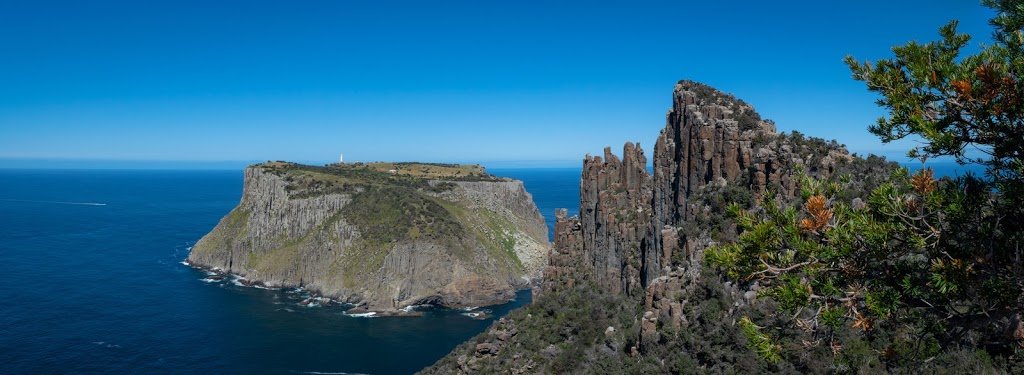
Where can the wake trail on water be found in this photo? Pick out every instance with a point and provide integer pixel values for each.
(54, 202)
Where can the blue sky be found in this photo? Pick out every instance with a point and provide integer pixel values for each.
(500, 83)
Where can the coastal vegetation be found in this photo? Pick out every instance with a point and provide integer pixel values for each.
(306, 181)
(394, 213)
(923, 268)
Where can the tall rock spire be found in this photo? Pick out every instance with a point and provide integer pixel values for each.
(627, 231)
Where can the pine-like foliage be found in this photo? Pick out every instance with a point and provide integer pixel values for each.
(895, 262)
(924, 266)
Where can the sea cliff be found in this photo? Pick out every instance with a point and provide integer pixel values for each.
(626, 289)
(381, 235)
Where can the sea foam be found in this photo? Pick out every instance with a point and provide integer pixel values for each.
(370, 314)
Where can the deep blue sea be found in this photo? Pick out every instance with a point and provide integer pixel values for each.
(93, 283)
(948, 169)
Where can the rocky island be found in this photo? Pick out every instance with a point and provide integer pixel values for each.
(382, 236)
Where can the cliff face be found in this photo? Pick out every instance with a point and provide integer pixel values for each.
(626, 286)
(614, 215)
(384, 240)
(632, 224)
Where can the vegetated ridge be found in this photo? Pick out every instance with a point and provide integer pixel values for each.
(381, 235)
(627, 289)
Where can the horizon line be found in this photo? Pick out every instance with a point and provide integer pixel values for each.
(142, 164)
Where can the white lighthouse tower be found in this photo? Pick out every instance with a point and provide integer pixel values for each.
(341, 158)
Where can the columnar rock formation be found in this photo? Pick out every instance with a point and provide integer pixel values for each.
(629, 220)
(640, 238)
(614, 212)
(703, 142)
(562, 261)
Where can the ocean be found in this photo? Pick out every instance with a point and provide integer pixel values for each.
(93, 282)
(948, 169)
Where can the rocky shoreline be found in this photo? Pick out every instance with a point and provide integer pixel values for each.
(357, 308)
(315, 297)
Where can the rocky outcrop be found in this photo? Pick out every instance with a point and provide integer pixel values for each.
(614, 214)
(630, 221)
(644, 234)
(631, 265)
(382, 241)
(503, 332)
(703, 143)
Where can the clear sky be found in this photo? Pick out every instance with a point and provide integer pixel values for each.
(501, 83)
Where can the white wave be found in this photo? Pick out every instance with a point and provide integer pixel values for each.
(411, 308)
(106, 344)
(206, 280)
(477, 314)
(370, 314)
(185, 262)
(240, 281)
(470, 308)
(55, 202)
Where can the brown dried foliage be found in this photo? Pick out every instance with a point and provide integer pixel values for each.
(863, 323)
(963, 88)
(924, 181)
(818, 212)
